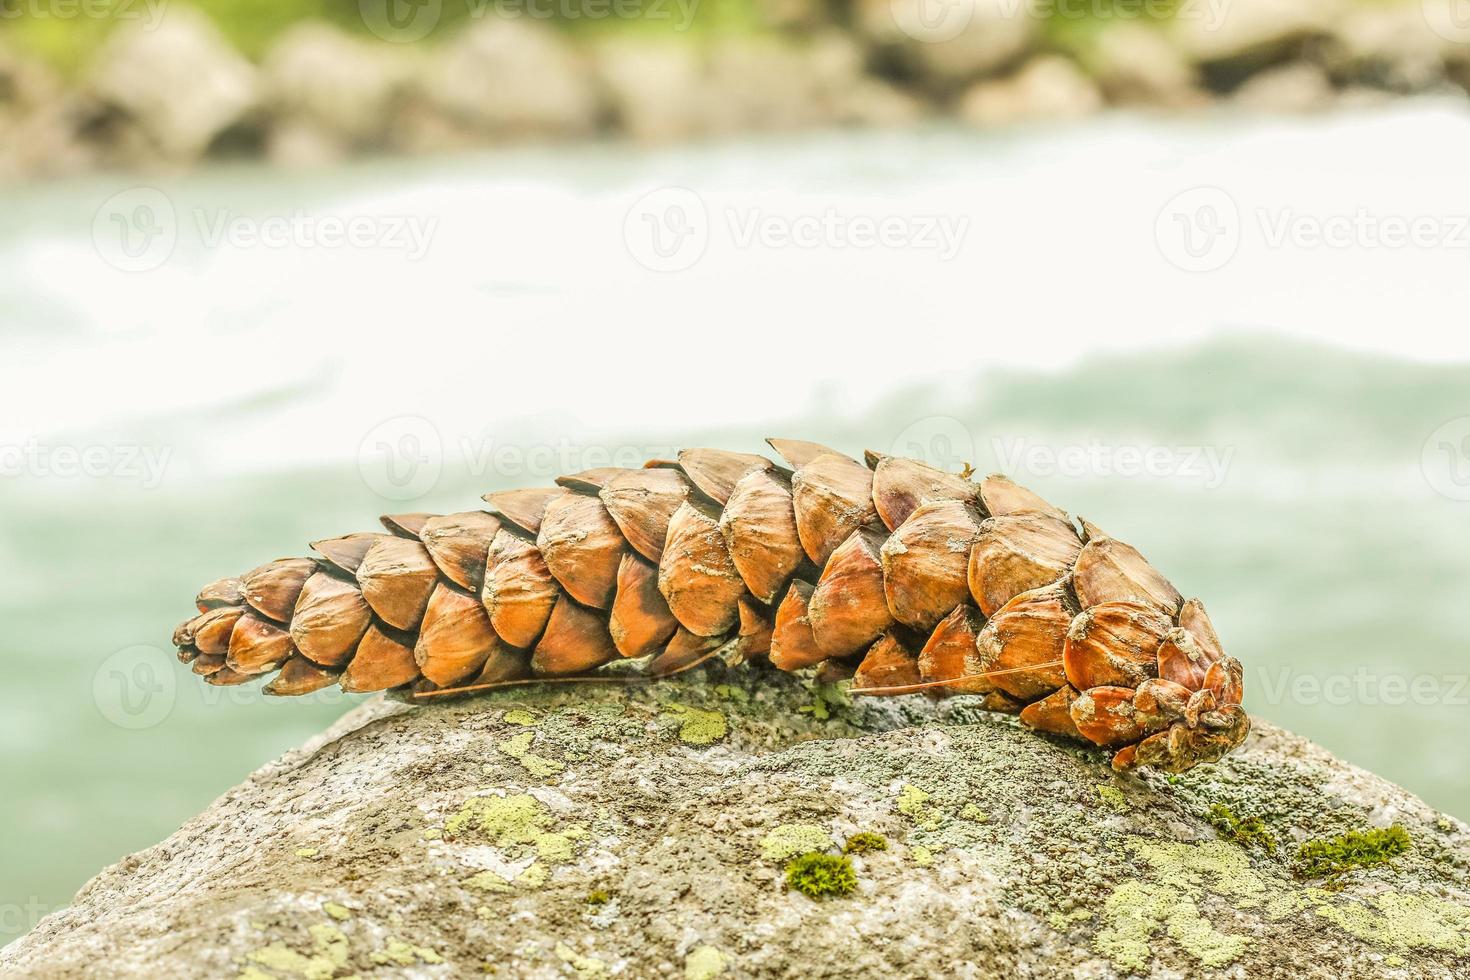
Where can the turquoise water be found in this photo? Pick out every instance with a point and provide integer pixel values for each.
(1306, 491)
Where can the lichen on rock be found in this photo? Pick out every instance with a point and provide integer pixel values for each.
(439, 846)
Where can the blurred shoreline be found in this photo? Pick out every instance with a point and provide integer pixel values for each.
(163, 87)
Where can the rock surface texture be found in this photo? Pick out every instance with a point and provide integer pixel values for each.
(645, 831)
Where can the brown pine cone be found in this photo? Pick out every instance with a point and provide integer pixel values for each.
(906, 577)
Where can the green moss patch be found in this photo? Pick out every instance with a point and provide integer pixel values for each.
(1354, 849)
(821, 875)
(1250, 833)
(865, 842)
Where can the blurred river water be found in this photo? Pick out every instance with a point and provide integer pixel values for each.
(1237, 343)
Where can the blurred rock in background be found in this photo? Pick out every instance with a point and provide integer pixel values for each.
(168, 90)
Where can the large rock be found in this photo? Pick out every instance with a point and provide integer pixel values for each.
(1238, 37)
(170, 89)
(332, 90)
(1049, 88)
(1136, 64)
(36, 128)
(591, 831)
(660, 91)
(511, 78)
(950, 42)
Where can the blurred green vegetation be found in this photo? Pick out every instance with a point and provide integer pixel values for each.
(57, 32)
(68, 41)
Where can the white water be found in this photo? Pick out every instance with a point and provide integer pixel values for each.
(528, 298)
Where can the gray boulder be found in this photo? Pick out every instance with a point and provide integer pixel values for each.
(649, 831)
(511, 78)
(171, 88)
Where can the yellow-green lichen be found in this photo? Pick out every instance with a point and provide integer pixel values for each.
(306, 852)
(729, 692)
(396, 952)
(519, 716)
(1061, 920)
(329, 954)
(791, 839)
(516, 822)
(598, 897)
(586, 967)
(339, 912)
(1214, 865)
(865, 842)
(697, 726)
(922, 856)
(704, 963)
(972, 812)
(1113, 797)
(914, 803)
(1352, 850)
(1404, 921)
(821, 875)
(1137, 911)
(519, 749)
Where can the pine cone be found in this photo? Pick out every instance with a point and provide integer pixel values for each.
(902, 575)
